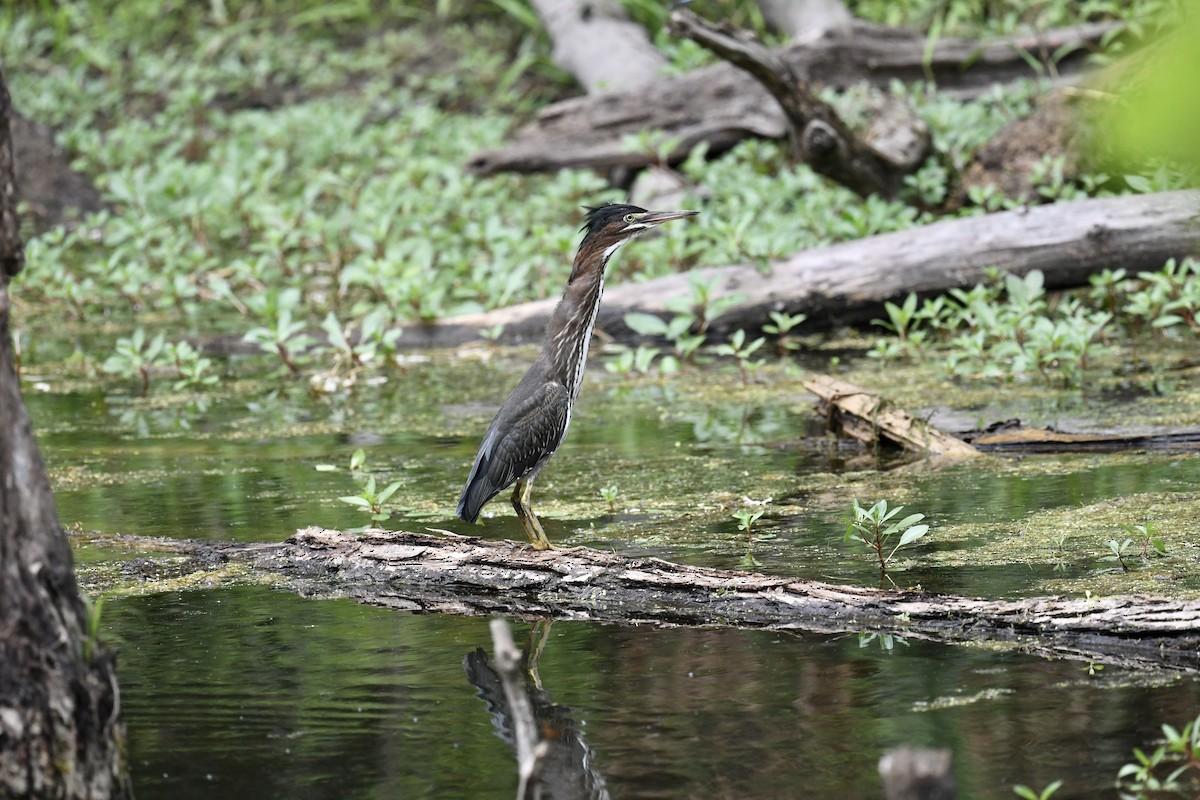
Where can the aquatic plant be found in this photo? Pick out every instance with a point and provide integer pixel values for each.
(370, 499)
(743, 351)
(1180, 753)
(609, 494)
(873, 528)
(1020, 790)
(134, 357)
(780, 327)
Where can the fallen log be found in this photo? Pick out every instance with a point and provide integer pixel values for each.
(847, 284)
(871, 419)
(453, 574)
(720, 105)
(816, 132)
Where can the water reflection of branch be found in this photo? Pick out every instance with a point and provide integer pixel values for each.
(552, 757)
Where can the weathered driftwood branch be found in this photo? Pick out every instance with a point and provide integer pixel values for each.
(869, 418)
(465, 575)
(721, 105)
(817, 134)
(848, 283)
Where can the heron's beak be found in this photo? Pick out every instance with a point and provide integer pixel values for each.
(659, 217)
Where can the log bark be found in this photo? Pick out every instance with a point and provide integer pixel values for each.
(847, 284)
(453, 574)
(597, 43)
(721, 105)
(61, 733)
(816, 132)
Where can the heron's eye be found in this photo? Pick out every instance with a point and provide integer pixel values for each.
(630, 217)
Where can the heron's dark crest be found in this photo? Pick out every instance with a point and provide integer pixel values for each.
(533, 422)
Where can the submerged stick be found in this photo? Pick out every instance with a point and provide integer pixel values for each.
(530, 749)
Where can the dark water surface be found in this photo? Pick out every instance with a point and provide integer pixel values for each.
(252, 692)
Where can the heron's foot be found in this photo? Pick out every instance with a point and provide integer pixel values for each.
(533, 529)
(529, 520)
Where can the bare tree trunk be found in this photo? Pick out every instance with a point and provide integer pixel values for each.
(61, 733)
(599, 45)
(805, 20)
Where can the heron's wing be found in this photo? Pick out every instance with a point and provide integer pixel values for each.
(526, 431)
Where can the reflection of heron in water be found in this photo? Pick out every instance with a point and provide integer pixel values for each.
(567, 771)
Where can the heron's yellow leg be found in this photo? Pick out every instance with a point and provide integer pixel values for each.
(529, 520)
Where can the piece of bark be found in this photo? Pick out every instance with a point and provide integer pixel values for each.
(872, 419)
(847, 284)
(597, 43)
(816, 132)
(721, 105)
(61, 733)
(1011, 436)
(465, 575)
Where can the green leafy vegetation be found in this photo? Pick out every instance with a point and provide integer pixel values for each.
(1011, 328)
(1172, 768)
(1027, 793)
(873, 528)
(269, 174)
(370, 499)
(746, 518)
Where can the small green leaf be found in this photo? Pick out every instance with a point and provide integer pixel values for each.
(646, 324)
(355, 500)
(913, 533)
(389, 491)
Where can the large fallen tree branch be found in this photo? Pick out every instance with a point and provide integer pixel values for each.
(848, 283)
(721, 105)
(817, 134)
(465, 575)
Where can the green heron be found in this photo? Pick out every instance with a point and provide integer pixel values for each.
(533, 421)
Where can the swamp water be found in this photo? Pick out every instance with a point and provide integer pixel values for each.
(248, 691)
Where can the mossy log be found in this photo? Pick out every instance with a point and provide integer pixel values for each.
(451, 574)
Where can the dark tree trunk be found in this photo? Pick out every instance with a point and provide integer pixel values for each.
(61, 733)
